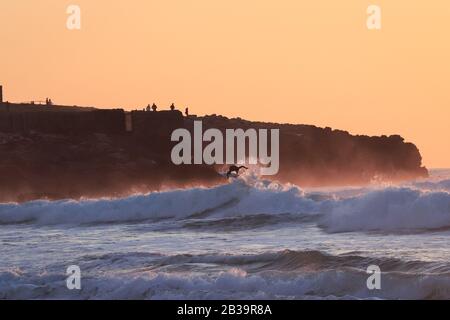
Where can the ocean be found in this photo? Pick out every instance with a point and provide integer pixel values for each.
(249, 239)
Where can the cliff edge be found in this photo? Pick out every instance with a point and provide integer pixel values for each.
(76, 153)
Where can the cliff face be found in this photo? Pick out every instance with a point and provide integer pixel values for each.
(58, 156)
(85, 165)
(312, 156)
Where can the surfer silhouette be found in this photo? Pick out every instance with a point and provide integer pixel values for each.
(235, 169)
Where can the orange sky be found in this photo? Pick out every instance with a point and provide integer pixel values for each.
(294, 61)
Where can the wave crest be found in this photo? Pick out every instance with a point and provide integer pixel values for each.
(250, 202)
(237, 198)
(391, 209)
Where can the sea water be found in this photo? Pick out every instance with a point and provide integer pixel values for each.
(249, 239)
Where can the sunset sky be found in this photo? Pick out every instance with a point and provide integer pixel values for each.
(312, 62)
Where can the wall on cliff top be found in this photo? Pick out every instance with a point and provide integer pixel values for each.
(53, 120)
(21, 118)
(156, 123)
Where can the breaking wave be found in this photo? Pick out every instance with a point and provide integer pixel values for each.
(237, 198)
(391, 209)
(251, 202)
(272, 275)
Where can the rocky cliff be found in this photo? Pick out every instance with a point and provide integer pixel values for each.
(114, 162)
(312, 156)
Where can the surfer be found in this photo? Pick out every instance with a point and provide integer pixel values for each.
(235, 169)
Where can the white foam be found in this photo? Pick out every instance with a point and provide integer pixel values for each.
(233, 284)
(391, 209)
(240, 197)
(382, 209)
(171, 204)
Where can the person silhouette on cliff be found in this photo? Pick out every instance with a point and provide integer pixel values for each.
(235, 169)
